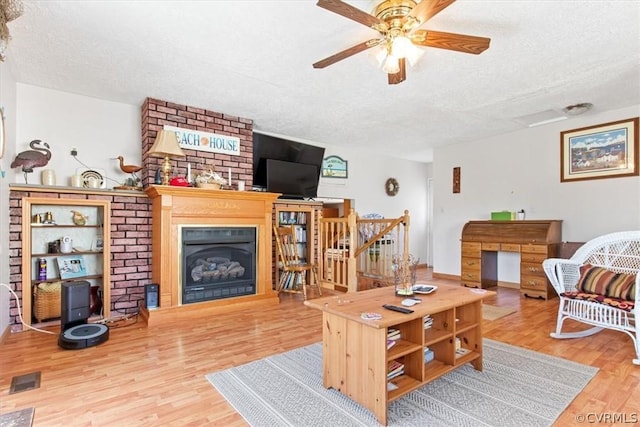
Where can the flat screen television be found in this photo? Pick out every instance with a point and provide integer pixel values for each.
(293, 180)
(295, 171)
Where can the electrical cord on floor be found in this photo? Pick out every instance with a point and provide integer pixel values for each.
(20, 312)
(115, 323)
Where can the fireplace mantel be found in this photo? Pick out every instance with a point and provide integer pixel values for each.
(173, 207)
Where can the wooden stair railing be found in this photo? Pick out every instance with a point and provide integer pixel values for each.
(375, 241)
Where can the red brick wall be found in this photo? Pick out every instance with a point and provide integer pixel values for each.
(157, 113)
(130, 213)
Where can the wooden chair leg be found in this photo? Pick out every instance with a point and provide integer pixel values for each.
(304, 284)
(315, 278)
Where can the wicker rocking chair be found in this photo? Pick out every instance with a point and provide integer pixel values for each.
(600, 286)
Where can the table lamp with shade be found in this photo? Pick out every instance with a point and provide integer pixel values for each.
(166, 145)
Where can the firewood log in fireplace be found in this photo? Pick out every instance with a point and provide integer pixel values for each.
(216, 268)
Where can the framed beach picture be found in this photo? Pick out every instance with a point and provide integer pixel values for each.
(609, 150)
(335, 167)
(71, 266)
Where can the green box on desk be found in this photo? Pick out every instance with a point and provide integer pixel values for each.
(502, 216)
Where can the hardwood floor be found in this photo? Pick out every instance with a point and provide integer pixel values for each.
(155, 376)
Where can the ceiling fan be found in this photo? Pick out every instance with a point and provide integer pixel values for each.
(398, 23)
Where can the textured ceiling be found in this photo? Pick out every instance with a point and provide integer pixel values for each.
(253, 59)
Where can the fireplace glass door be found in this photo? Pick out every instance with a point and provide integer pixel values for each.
(217, 262)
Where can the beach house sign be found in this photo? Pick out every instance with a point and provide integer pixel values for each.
(205, 141)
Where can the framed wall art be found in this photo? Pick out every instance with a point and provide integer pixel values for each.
(608, 150)
(335, 167)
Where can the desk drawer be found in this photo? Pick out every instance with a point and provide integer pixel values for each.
(534, 258)
(471, 249)
(531, 269)
(535, 249)
(509, 247)
(470, 264)
(533, 283)
(470, 275)
(495, 247)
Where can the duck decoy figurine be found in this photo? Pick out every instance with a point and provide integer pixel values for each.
(128, 168)
(36, 157)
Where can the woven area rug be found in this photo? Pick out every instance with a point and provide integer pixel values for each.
(21, 418)
(517, 387)
(493, 312)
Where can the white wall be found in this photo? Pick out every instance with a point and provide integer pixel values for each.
(100, 130)
(8, 103)
(365, 185)
(521, 170)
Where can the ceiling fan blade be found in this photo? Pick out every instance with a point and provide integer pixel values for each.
(348, 11)
(450, 41)
(400, 76)
(426, 9)
(347, 53)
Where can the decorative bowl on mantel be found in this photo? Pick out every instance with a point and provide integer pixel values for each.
(210, 180)
(209, 185)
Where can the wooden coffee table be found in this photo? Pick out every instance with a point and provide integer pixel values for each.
(356, 360)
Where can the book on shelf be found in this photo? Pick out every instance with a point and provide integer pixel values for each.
(290, 279)
(291, 217)
(393, 334)
(395, 369)
(390, 343)
(429, 355)
(428, 321)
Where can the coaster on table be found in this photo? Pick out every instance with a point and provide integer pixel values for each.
(371, 316)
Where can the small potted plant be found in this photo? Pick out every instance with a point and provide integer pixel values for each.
(209, 179)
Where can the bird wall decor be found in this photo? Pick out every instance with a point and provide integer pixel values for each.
(36, 157)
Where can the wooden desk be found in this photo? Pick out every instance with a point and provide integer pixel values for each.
(355, 358)
(535, 240)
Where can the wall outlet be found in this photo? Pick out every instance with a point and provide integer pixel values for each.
(74, 152)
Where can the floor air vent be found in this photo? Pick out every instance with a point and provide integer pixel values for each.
(25, 382)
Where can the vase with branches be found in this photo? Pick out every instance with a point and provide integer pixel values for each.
(404, 268)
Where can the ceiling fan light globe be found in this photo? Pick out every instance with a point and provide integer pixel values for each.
(391, 64)
(414, 55)
(401, 46)
(379, 55)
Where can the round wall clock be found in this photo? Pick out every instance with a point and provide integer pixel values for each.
(391, 187)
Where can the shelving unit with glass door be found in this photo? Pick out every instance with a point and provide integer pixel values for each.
(71, 238)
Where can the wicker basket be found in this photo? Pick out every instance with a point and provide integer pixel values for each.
(209, 185)
(46, 301)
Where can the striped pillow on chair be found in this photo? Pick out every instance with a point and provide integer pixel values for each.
(599, 280)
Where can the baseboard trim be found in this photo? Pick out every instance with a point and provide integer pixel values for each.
(5, 334)
(446, 276)
(510, 285)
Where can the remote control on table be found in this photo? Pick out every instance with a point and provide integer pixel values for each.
(396, 308)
